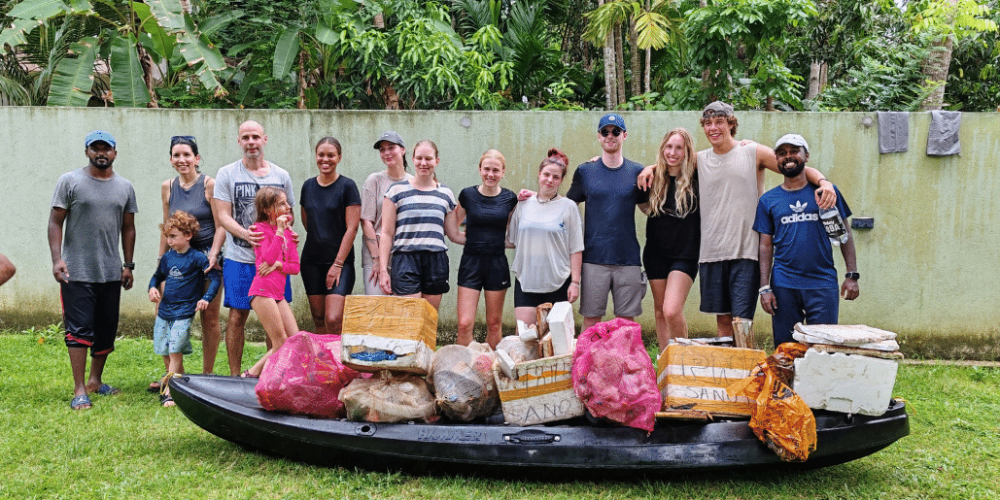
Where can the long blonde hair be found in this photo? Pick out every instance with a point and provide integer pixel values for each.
(684, 195)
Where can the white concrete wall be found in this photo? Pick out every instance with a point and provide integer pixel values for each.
(930, 263)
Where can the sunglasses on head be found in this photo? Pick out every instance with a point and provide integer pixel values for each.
(615, 131)
(178, 138)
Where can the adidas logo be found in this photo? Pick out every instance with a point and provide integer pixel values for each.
(799, 214)
(798, 207)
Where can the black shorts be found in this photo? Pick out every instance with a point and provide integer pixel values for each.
(528, 299)
(419, 272)
(484, 272)
(730, 287)
(90, 314)
(660, 269)
(314, 279)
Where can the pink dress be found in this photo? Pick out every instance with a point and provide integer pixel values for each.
(271, 250)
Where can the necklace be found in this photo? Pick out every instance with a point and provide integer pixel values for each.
(553, 198)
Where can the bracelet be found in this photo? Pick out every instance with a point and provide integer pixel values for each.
(335, 262)
(577, 283)
(764, 289)
(821, 180)
(341, 266)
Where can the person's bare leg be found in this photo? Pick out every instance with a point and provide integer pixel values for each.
(96, 372)
(494, 316)
(678, 286)
(211, 332)
(468, 303)
(235, 337)
(317, 308)
(270, 318)
(659, 288)
(78, 365)
(335, 314)
(724, 324)
(526, 314)
(590, 321)
(435, 300)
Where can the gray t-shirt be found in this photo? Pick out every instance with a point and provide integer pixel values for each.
(93, 225)
(372, 195)
(236, 185)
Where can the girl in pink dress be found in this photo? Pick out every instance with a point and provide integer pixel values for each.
(277, 256)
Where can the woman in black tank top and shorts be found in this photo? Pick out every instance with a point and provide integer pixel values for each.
(486, 209)
(673, 234)
(191, 192)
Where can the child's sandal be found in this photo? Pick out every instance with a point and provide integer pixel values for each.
(247, 374)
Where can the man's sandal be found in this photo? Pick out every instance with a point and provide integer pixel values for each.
(81, 402)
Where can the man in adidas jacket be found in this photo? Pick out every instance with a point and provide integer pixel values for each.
(801, 285)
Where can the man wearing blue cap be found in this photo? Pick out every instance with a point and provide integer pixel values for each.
(96, 206)
(802, 283)
(611, 261)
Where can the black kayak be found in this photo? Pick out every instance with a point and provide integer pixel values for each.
(228, 408)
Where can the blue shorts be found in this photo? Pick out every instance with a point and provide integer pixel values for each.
(419, 272)
(172, 336)
(730, 287)
(90, 314)
(814, 307)
(237, 277)
(314, 279)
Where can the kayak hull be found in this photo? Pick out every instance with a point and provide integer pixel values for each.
(227, 407)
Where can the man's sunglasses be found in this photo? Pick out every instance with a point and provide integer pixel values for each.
(615, 131)
(178, 138)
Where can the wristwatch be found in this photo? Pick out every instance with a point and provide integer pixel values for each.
(129, 265)
(852, 276)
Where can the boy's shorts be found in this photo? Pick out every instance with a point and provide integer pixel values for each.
(419, 272)
(90, 314)
(730, 287)
(813, 307)
(236, 279)
(172, 336)
(627, 285)
(314, 279)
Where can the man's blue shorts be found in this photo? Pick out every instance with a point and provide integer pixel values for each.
(237, 277)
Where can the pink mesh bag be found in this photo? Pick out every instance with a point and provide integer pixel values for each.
(613, 375)
(305, 376)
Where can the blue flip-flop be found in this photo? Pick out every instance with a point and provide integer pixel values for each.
(107, 390)
(81, 402)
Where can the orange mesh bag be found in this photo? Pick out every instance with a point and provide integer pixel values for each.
(779, 417)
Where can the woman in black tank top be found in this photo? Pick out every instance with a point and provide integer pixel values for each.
(191, 191)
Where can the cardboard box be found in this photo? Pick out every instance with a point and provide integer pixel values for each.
(401, 328)
(698, 376)
(847, 383)
(542, 391)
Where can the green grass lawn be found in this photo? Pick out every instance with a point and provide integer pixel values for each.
(127, 446)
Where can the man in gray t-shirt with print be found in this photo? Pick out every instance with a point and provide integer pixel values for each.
(236, 186)
(95, 206)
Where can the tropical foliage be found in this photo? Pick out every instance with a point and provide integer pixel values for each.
(502, 54)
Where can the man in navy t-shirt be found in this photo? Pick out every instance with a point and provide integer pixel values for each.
(802, 284)
(611, 261)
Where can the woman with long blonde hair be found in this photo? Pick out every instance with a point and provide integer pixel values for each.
(673, 233)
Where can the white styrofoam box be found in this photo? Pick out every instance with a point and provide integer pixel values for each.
(846, 383)
(563, 328)
(526, 333)
(845, 334)
(885, 345)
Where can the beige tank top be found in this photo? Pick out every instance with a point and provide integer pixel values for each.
(728, 199)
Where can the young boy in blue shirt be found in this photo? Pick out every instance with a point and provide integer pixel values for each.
(183, 271)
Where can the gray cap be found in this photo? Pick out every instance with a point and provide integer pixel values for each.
(717, 108)
(794, 140)
(390, 136)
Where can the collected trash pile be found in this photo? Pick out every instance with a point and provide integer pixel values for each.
(385, 368)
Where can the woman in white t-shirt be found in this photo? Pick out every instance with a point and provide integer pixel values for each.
(392, 152)
(547, 232)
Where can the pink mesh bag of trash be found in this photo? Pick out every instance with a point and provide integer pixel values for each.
(613, 375)
(305, 376)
